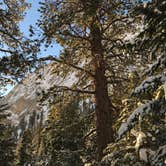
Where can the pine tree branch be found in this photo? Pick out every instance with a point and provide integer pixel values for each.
(112, 22)
(51, 58)
(65, 88)
(91, 132)
(6, 51)
(11, 36)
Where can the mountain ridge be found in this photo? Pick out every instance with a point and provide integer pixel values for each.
(23, 98)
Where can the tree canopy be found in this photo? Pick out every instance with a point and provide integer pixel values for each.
(114, 50)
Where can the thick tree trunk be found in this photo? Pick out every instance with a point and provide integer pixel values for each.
(104, 107)
(103, 112)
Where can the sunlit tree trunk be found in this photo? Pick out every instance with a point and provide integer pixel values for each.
(104, 106)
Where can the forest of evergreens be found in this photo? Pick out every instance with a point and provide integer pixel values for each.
(114, 114)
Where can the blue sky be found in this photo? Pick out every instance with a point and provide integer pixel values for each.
(30, 19)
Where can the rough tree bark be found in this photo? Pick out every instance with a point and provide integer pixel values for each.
(104, 107)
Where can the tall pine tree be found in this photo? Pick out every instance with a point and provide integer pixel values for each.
(91, 33)
(64, 143)
(7, 141)
(24, 149)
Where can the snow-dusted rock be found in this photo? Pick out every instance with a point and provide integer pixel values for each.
(23, 99)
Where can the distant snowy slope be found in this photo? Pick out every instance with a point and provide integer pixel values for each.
(24, 96)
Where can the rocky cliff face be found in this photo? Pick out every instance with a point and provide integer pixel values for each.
(23, 99)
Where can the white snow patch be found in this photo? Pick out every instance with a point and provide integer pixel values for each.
(140, 111)
(19, 131)
(150, 82)
(130, 36)
(143, 154)
(139, 141)
(45, 112)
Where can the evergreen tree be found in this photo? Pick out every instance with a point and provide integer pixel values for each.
(64, 136)
(93, 32)
(24, 149)
(7, 141)
(16, 51)
(146, 124)
(144, 127)
(152, 38)
(151, 89)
